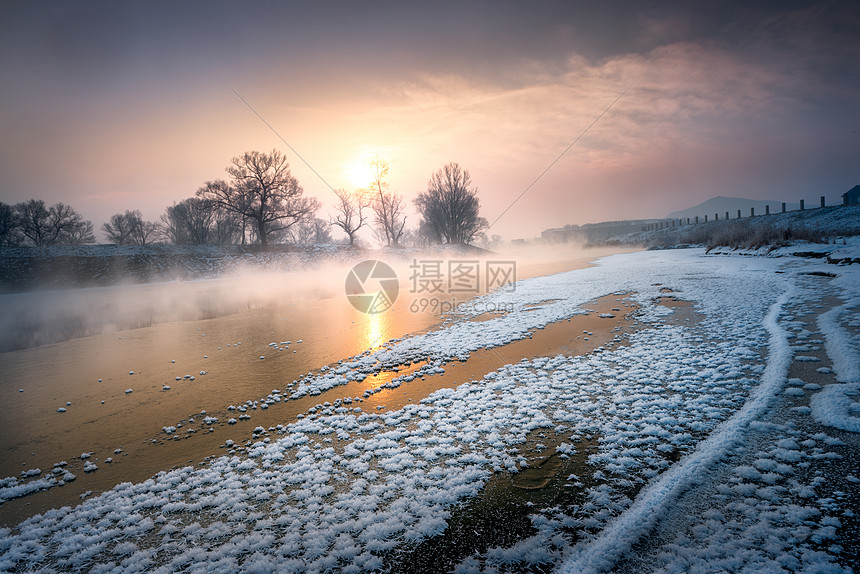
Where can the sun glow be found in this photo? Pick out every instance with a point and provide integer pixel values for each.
(357, 174)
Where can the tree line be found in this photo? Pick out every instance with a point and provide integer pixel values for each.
(262, 202)
(34, 223)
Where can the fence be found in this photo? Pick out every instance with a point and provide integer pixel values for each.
(695, 220)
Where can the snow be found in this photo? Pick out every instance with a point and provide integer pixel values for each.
(669, 410)
(834, 404)
(654, 500)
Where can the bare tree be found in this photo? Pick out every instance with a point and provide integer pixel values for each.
(33, 221)
(450, 206)
(125, 228)
(146, 232)
(173, 224)
(80, 233)
(263, 191)
(227, 228)
(426, 235)
(10, 234)
(228, 200)
(350, 213)
(62, 222)
(58, 224)
(302, 233)
(310, 232)
(191, 221)
(322, 233)
(388, 207)
(199, 217)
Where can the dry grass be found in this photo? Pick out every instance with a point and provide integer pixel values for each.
(743, 235)
(747, 236)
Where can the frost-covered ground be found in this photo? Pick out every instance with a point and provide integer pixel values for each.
(686, 447)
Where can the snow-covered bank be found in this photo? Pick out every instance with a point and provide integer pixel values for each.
(617, 539)
(652, 419)
(23, 268)
(784, 500)
(842, 251)
(65, 267)
(837, 405)
(822, 225)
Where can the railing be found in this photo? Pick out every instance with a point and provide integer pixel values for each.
(696, 220)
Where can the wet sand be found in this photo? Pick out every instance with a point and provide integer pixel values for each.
(35, 435)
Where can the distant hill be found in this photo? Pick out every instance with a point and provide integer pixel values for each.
(722, 204)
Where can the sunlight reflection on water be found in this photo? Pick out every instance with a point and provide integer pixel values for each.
(376, 331)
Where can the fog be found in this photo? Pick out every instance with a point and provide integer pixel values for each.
(48, 316)
(42, 317)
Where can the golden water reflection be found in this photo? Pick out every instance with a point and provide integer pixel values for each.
(376, 330)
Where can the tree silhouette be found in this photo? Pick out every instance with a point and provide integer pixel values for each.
(80, 233)
(388, 207)
(129, 228)
(10, 233)
(35, 223)
(263, 191)
(350, 213)
(198, 221)
(118, 228)
(310, 232)
(449, 207)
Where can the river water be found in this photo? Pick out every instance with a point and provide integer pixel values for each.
(238, 337)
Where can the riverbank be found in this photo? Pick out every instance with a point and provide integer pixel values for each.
(183, 364)
(601, 443)
(819, 226)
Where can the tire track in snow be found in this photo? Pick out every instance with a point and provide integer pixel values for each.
(601, 554)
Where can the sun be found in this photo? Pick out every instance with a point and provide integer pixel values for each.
(357, 173)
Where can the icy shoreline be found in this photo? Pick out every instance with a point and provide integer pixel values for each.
(345, 489)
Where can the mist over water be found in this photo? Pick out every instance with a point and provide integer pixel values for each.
(42, 317)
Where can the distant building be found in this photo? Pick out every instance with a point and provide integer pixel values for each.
(852, 196)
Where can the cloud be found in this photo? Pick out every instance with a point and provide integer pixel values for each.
(681, 94)
(713, 87)
(695, 113)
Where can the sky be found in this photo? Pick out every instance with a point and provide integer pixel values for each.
(108, 106)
